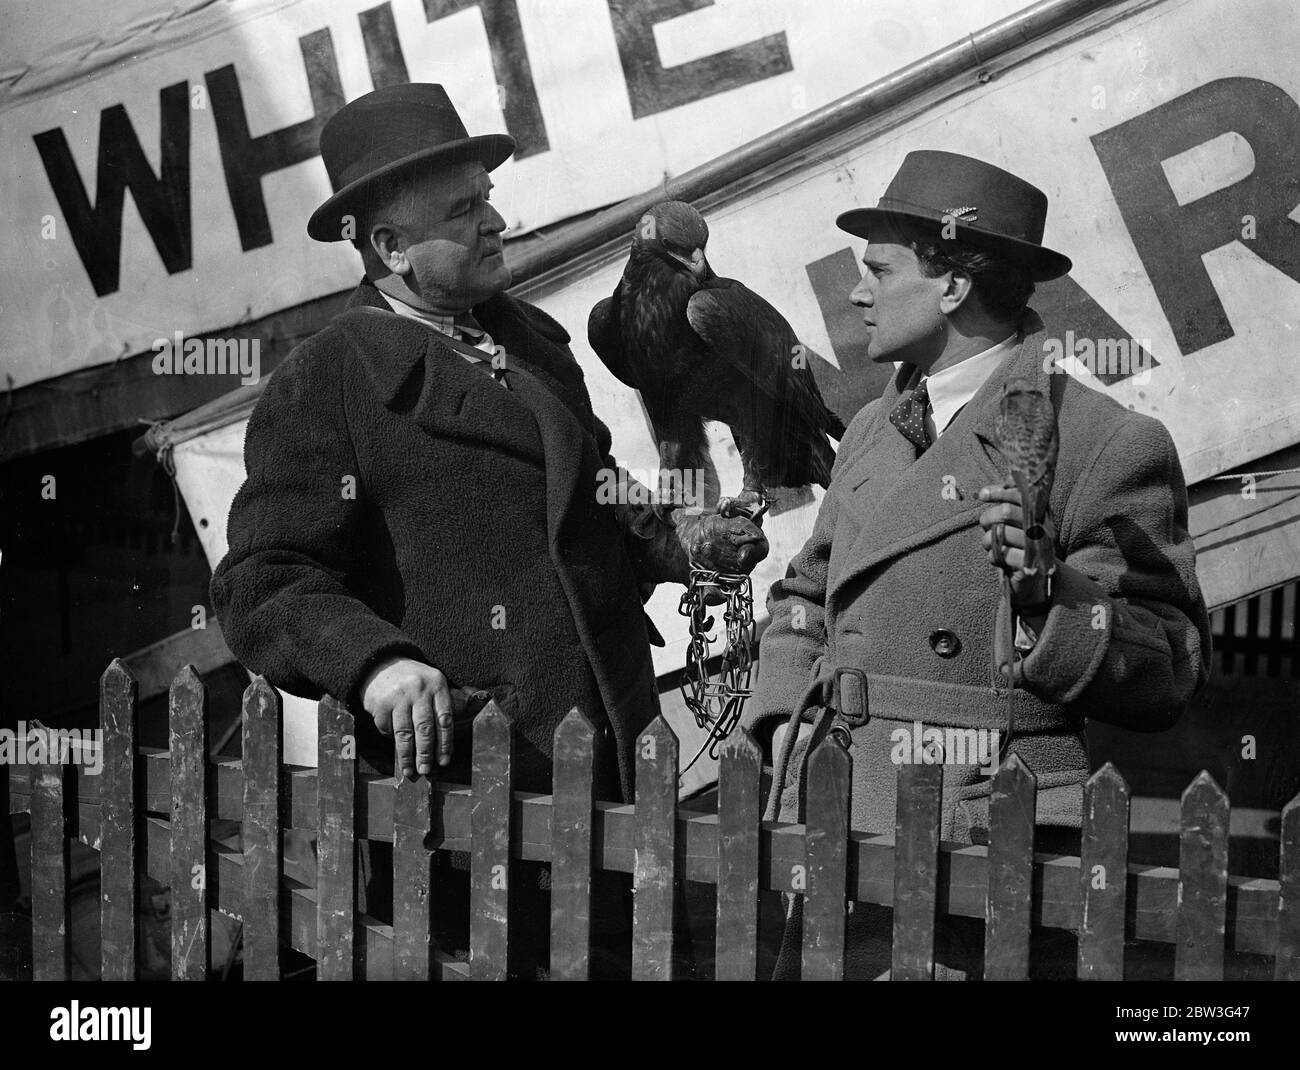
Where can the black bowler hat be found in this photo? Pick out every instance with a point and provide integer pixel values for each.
(387, 131)
(992, 209)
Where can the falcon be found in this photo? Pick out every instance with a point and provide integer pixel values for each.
(1027, 438)
(699, 347)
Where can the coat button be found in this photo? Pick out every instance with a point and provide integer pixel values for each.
(944, 643)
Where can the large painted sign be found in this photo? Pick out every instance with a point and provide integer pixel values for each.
(167, 188)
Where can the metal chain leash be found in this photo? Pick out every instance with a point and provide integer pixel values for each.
(717, 704)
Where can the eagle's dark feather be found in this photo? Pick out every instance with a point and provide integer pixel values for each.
(699, 347)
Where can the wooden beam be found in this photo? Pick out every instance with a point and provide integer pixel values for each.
(1246, 528)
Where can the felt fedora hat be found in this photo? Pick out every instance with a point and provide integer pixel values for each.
(991, 209)
(393, 129)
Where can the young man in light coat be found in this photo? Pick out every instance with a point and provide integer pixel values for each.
(900, 577)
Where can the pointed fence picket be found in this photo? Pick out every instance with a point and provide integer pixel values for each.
(413, 946)
(489, 867)
(740, 806)
(572, 837)
(656, 853)
(1287, 966)
(1103, 865)
(830, 772)
(1011, 865)
(335, 843)
(50, 864)
(119, 845)
(149, 812)
(916, 871)
(188, 746)
(261, 831)
(1203, 882)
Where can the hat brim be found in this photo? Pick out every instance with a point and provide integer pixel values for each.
(492, 150)
(1043, 264)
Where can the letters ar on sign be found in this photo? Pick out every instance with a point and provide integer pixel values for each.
(1171, 237)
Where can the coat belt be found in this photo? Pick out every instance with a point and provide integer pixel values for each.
(948, 705)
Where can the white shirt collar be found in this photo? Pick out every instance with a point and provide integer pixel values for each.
(953, 388)
(446, 324)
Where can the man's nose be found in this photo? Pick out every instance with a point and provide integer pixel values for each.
(861, 295)
(493, 222)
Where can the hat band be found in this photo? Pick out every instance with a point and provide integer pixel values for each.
(940, 215)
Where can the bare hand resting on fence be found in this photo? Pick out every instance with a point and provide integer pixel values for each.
(411, 702)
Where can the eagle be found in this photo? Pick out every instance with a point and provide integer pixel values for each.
(699, 347)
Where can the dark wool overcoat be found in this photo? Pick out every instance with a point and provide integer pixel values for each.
(894, 580)
(399, 501)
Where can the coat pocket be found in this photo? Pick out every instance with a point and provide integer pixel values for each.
(970, 818)
(1059, 803)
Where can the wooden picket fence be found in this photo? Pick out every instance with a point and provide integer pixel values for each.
(148, 812)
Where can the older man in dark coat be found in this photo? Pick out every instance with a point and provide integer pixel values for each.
(901, 577)
(420, 518)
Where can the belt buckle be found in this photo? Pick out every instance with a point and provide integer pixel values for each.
(859, 714)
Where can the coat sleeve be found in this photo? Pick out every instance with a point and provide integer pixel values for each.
(283, 592)
(794, 642)
(650, 540)
(1127, 640)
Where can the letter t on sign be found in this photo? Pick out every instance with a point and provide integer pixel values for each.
(510, 65)
(653, 88)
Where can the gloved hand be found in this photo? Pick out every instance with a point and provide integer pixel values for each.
(729, 544)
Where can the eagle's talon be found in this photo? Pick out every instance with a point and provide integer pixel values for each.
(751, 504)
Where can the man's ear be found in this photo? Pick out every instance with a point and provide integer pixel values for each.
(390, 248)
(958, 288)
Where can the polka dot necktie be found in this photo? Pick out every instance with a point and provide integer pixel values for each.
(909, 417)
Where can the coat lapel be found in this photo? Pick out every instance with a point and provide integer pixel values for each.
(416, 372)
(418, 376)
(886, 455)
(902, 501)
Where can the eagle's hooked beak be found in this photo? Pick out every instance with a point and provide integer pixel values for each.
(697, 265)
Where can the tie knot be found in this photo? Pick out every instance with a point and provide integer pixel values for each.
(468, 328)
